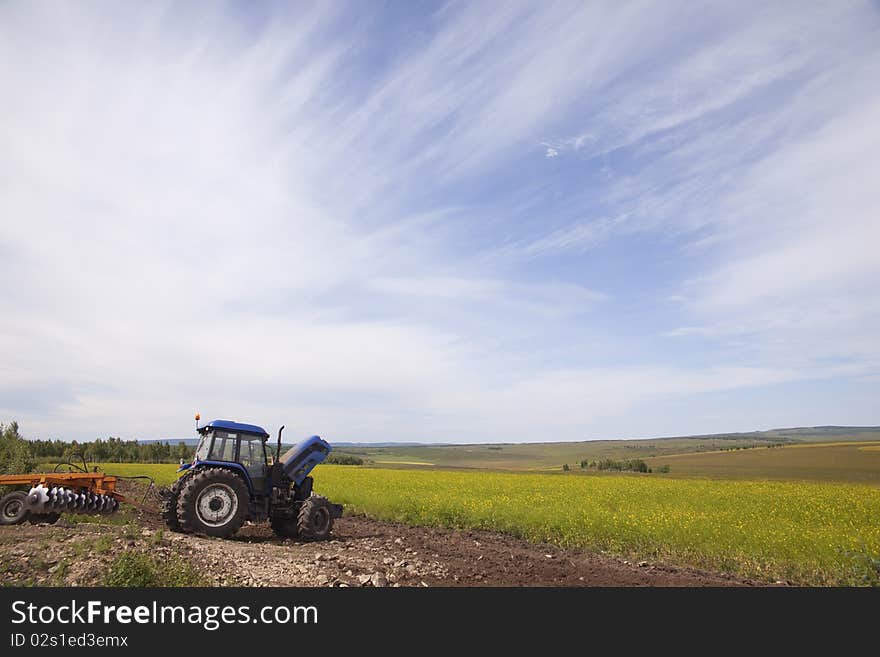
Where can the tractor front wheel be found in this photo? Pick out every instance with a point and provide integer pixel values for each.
(213, 501)
(315, 518)
(13, 508)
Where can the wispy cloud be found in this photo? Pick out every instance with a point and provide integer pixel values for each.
(342, 218)
(577, 236)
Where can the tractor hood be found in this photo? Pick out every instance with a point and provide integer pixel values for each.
(299, 460)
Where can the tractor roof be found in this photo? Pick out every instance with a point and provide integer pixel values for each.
(228, 425)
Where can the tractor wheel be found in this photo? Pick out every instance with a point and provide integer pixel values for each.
(13, 510)
(48, 518)
(168, 507)
(213, 501)
(315, 519)
(284, 527)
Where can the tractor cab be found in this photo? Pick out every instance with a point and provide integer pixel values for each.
(223, 441)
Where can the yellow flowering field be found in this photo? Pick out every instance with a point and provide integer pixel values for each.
(163, 474)
(806, 532)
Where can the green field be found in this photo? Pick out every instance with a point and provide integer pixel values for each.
(805, 532)
(857, 462)
(163, 474)
(551, 456)
(529, 456)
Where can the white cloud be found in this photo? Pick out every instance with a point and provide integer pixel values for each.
(242, 216)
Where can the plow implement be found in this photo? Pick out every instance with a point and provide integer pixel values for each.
(44, 496)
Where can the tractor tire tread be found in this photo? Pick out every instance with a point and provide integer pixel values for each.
(186, 503)
(169, 504)
(307, 528)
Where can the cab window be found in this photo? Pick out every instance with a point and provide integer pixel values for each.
(223, 448)
(204, 446)
(252, 454)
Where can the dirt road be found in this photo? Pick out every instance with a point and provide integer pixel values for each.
(364, 552)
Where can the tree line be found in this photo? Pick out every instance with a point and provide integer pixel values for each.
(625, 465)
(18, 455)
(114, 450)
(15, 456)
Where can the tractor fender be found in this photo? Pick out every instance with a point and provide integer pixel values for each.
(238, 468)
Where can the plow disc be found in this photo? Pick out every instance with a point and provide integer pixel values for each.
(41, 499)
(46, 495)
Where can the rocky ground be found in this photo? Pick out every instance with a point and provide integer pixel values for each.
(364, 552)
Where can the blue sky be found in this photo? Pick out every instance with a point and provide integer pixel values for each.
(452, 222)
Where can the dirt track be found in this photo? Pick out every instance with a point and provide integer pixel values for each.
(364, 552)
(414, 556)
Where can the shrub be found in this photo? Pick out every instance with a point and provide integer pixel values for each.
(627, 465)
(565, 467)
(864, 568)
(15, 454)
(140, 569)
(157, 538)
(344, 459)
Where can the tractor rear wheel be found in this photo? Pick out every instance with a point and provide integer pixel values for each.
(13, 508)
(315, 518)
(284, 527)
(168, 508)
(213, 501)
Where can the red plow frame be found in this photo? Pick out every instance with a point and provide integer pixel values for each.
(49, 494)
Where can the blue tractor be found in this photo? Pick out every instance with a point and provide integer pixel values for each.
(231, 480)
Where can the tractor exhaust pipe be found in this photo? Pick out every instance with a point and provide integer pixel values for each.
(278, 449)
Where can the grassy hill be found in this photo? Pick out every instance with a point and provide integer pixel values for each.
(857, 462)
(551, 456)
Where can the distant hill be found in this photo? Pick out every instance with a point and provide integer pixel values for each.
(192, 442)
(537, 456)
(388, 444)
(824, 431)
(807, 434)
(811, 434)
(552, 456)
(189, 442)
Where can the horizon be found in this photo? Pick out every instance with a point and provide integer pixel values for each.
(511, 222)
(408, 443)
